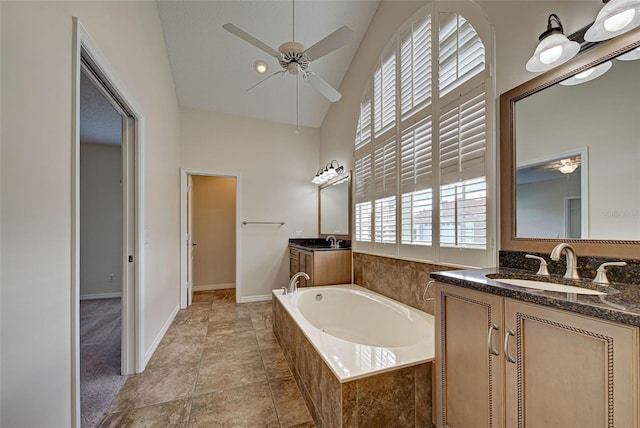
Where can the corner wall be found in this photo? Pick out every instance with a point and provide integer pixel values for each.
(36, 49)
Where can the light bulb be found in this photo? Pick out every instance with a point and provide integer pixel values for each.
(584, 74)
(260, 67)
(551, 55)
(620, 20)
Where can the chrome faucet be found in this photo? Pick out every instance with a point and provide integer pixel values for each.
(572, 259)
(334, 243)
(293, 283)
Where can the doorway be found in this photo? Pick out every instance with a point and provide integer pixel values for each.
(210, 207)
(119, 272)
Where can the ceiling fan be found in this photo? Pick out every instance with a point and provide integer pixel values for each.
(294, 58)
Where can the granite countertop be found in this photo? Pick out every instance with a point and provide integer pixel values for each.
(621, 304)
(317, 244)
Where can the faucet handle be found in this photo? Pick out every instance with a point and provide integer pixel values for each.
(542, 270)
(601, 273)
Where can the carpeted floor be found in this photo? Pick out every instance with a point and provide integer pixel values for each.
(100, 379)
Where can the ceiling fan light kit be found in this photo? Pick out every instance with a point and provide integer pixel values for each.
(295, 59)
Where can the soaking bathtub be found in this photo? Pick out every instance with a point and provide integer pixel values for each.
(347, 346)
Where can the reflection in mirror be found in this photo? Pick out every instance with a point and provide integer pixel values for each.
(599, 117)
(550, 197)
(334, 207)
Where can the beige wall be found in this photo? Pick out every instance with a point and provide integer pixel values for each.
(276, 166)
(214, 230)
(100, 219)
(36, 52)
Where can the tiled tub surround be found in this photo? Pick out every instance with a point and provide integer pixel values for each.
(389, 397)
(621, 303)
(400, 280)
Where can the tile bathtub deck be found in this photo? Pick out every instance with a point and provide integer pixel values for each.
(218, 365)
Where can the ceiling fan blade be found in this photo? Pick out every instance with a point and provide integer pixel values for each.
(320, 85)
(250, 39)
(267, 78)
(342, 36)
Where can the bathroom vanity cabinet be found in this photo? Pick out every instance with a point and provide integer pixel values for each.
(504, 362)
(325, 267)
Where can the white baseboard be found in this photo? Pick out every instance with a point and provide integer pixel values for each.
(214, 287)
(252, 299)
(163, 331)
(100, 296)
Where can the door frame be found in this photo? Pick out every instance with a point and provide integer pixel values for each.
(184, 173)
(132, 338)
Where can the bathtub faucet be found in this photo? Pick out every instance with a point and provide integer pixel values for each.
(293, 283)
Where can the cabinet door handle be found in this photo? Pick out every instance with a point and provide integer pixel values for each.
(492, 350)
(508, 357)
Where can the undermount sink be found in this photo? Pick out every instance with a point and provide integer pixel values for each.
(548, 286)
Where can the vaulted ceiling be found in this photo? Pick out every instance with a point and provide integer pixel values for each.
(213, 69)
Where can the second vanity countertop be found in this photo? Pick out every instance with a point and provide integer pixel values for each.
(317, 244)
(621, 304)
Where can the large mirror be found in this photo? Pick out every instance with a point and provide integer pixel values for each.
(334, 206)
(570, 155)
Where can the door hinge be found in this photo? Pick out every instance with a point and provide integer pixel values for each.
(130, 259)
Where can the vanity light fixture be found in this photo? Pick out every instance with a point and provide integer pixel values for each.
(616, 17)
(587, 75)
(554, 47)
(327, 173)
(260, 67)
(630, 56)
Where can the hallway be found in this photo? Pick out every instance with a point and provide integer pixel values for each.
(218, 365)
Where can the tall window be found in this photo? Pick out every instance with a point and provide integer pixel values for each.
(421, 144)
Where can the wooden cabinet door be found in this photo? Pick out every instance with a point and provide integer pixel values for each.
(306, 266)
(569, 370)
(294, 264)
(469, 376)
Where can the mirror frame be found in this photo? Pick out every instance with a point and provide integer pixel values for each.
(337, 179)
(584, 247)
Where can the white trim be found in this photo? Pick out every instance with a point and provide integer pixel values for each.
(184, 173)
(161, 333)
(100, 296)
(252, 299)
(214, 287)
(134, 358)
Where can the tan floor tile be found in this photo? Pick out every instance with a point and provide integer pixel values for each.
(275, 364)
(261, 321)
(238, 325)
(244, 406)
(228, 371)
(230, 343)
(266, 339)
(291, 408)
(192, 330)
(177, 350)
(228, 312)
(155, 386)
(172, 414)
(196, 315)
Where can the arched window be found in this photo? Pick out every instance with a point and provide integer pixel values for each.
(421, 145)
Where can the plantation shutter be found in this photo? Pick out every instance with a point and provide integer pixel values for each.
(462, 53)
(384, 94)
(463, 137)
(363, 127)
(463, 214)
(384, 168)
(363, 221)
(415, 67)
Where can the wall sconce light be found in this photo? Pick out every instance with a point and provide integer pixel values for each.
(554, 47)
(616, 17)
(587, 75)
(327, 173)
(630, 56)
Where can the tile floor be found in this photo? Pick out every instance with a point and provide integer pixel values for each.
(219, 365)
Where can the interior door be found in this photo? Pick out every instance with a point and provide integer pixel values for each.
(190, 243)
